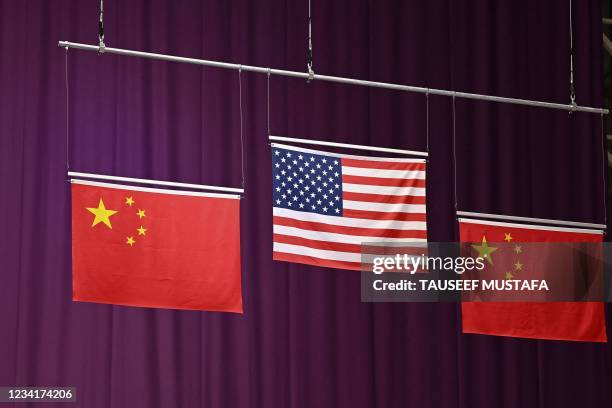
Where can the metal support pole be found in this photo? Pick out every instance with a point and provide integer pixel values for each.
(342, 80)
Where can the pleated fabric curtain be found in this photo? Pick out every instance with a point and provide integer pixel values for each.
(305, 338)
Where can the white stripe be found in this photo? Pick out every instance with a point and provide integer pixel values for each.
(331, 255)
(383, 190)
(350, 222)
(317, 253)
(383, 207)
(348, 156)
(535, 227)
(333, 237)
(369, 172)
(153, 190)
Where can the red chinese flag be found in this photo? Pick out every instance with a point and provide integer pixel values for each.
(155, 248)
(577, 321)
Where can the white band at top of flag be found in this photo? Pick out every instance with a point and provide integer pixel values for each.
(348, 156)
(155, 182)
(529, 226)
(544, 221)
(154, 190)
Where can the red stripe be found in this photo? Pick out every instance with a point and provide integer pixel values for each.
(381, 198)
(372, 164)
(337, 229)
(375, 215)
(309, 260)
(311, 243)
(378, 181)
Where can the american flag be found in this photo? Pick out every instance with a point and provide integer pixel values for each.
(326, 205)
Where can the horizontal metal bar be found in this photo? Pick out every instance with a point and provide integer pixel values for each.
(528, 219)
(292, 146)
(347, 146)
(540, 227)
(328, 78)
(154, 190)
(155, 182)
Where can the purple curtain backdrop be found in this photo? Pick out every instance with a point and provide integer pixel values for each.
(305, 338)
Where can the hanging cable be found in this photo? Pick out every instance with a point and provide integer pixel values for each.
(572, 87)
(101, 45)
(604, 146)
(268, 111)
(427, 120)
(309, 58)
(454, 157)
(241, 137)
(67, 113)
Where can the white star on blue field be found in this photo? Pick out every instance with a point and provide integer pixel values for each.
(306, 182)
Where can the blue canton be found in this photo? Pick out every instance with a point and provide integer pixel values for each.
(306, 182)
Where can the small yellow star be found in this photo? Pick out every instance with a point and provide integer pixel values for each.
(507, 237)
(141, 214)
(129, 200)
(102, 215)
(518, 266)
(130, 241)
(509, 275)
(518, 249)
(142, 230)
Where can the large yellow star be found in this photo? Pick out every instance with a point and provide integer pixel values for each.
(484, 250)
(102, 215)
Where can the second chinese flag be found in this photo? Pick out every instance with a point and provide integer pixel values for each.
(155, 248)
(576, 321)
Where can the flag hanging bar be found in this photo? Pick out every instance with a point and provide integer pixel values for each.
(155, 182)
(153, 189)
(328, 78)
(346, 146)
(528, 219)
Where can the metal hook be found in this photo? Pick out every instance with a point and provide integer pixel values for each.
(311, 74)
